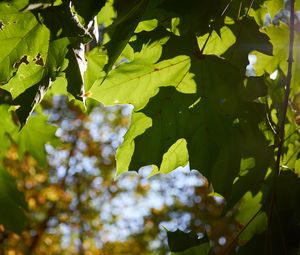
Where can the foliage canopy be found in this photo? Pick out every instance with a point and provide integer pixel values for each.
(184, 66)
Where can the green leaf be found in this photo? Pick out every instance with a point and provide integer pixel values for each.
(29, 99)
(255, 87)
(5, 97)
(7, 127)
(179, 241)
(32, 80)
(273, 6)
(177, 155)
(63, 22)
(96, 60)
(75, 72)
(88, 9)
(41, 4)
(279, 37)
(135, 82)
(249, 38)
(193, 16)
(27, 75)
(33, 137)
(283, 226)
(12, 214)
(146, 25)
(107, 14)
(249, 206)
(203, 249)
(257, 243)
(13, 6)
(56, 58)
(173, 119)
(217, 44)
(37, 61)
(129, 16)
(297, 167)
(257, 147)
(220, 130)
(139, 123)
(21, 35)
(169, 113)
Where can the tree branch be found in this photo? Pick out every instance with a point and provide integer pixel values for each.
(279, 137)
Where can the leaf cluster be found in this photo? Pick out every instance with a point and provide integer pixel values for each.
(184, 66)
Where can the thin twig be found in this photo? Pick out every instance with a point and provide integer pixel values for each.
(211, 30)
(281, 124)
(293, 154)
(231, 244)
(279, 138)
(295, 131)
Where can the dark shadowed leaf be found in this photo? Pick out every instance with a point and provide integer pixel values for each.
(88, 8)
(249, 38)
(12, 214)
(124, 27)
(179, 241)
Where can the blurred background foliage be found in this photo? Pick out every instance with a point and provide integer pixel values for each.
(76, 207)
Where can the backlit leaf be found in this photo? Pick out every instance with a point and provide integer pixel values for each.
(21, 35)
(135, 82)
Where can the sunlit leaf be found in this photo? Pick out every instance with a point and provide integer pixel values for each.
(279, 37)
(135, 82)
(27, 75)
(177, 155)
(249, 213)
(139, 123)
(216, 44)
(21, 35)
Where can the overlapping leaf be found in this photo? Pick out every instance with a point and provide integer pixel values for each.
(21, 35)
(249, 207)
(279, 36)
(7, 127)
(136, 82)
(12, 213)
(32, 138)
(213, 129)
(181, 243)
(249, 38)
(129, 16)
(35, 45)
